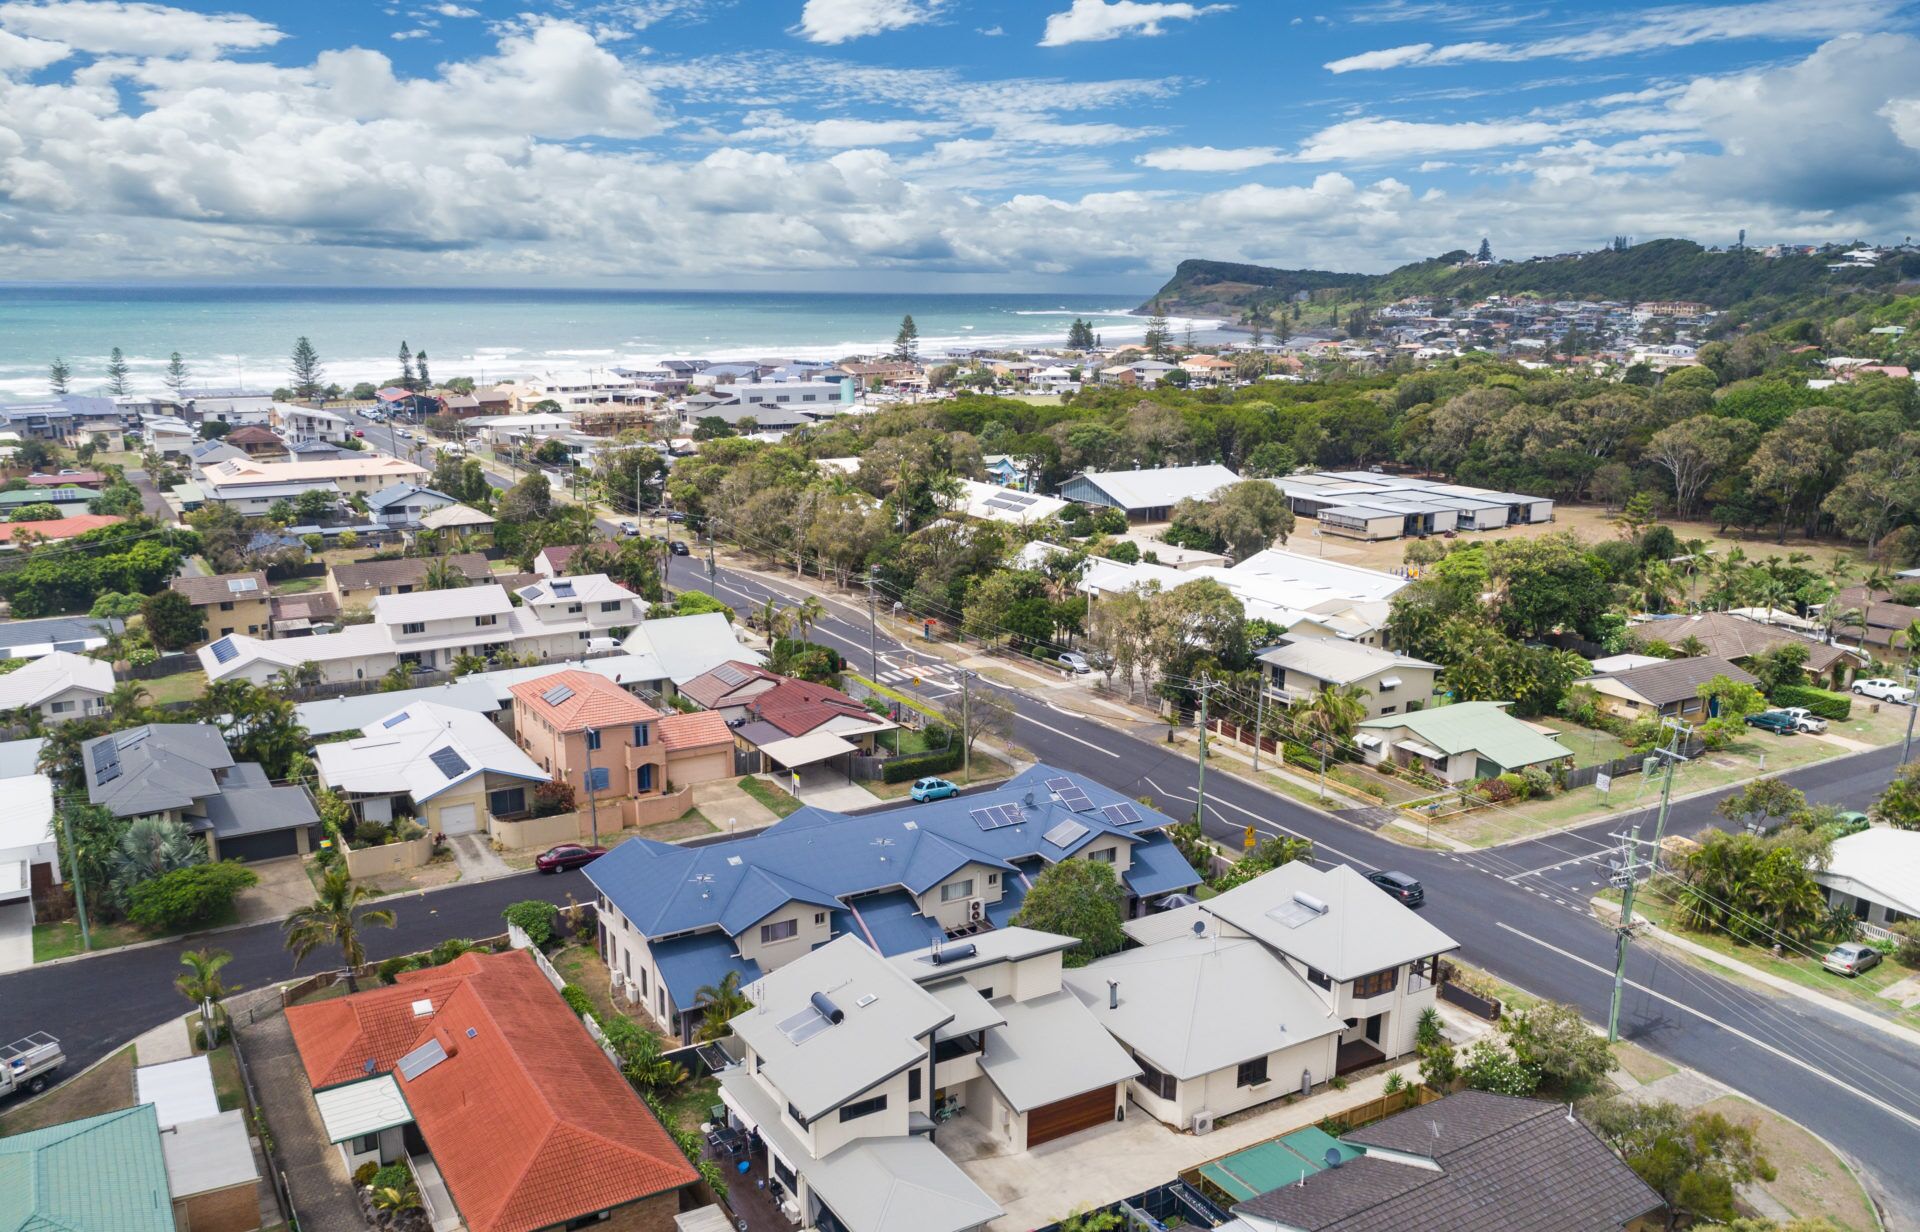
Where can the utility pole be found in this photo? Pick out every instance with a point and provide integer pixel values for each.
(1623, 934)
(1681, 731)
(593, 798)
(1259, 719)
(873, 654)
(966, 725)
(1913, 708)
(713, 532)
(1200, 785)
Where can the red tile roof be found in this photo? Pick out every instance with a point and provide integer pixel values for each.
(529, 1123)
(796, 707)
(57, 528)
(79, 479)
(701, 729)
(595, 701)
(558, 555)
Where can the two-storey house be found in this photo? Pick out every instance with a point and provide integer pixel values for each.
(184, 772)
(231, 602)
(1388, 683)
(59, 686)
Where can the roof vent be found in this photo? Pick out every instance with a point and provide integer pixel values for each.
(866, 1000)
(472, 1033)
(423, 1007)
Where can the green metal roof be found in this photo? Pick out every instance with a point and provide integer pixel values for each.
(100, 1174)
(1482, 727)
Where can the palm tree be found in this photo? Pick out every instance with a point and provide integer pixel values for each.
(301, 678)
(202, 985)
(1658, 584)
(443, 574)
(1877, 578)
(335, 918)
(124, 702)
(398, 677)
(1910, 638)
(807, 613)
(664, 550)
(152, 846)
(719, 1005)
(1332, 714)
(467, 663)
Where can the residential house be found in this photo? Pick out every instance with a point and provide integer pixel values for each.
(34, 639)
(93, 480)
(231, 603)
(674, 918)
(104, 1173)
(257, 442)
(230, 406)
(317, 451)
(1737, 639)
(626, 760)
(1881, 624)
(1459, 743)
(304, 423)
(787, 724)
(212, 453)
(359, 473)
(1668, 689)
(1874, 875)
(456, 518)
(992, 503)
(1002, 470)
(404, 504)
(303, 615)
(58, 686)
(448, 768)
(478, 1077)
(1147, 495)
(1471, 1160)
(54, 530)
(211, 1171)
(359, 583)
(687, 648)
(168, 436)
(1208, 369)
(430, 630)
(1371, 962)
(1389, 682)
(68, 501)
(551, 562)
(184, 772)
(31, 883)
(521, 429)
(832, 1079)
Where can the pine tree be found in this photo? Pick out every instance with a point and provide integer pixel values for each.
(1156, 337)
(906, 343)
(406, 365)
(176, 375)
(305, 368)
(1486, 251)
(117, 373)
(420, 362)
(1259, 334)
(1188, 343)
(1079, 335)
(58, 375)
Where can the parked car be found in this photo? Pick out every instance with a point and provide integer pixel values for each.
(1850, 958)
(1075, 662)
(566, 856)
(933, 789)
(630, 529)
(679, 548)
(1408, 890)
(1775, 722)
(1883, 689)
(359, 432)
(674, 515)
(26, 1064)
(1804, 719)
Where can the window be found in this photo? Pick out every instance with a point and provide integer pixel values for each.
(597, 779)
(487, 621)
(1388, 709)
(913, 1086)
(60, 707)
(956, 889)
(1320, 978)
(587, 1221)
(226, 607)
(862, 1107)
(611, 605)
(1153, 1082)
(641, 736)
(1103, 856)
(785, 930)
(507, 801)
(415, 626)
(993, 878)
(1376, 984)
(1251, 1073)
(593, 739)
(645, 779)
(819, 918)
(365, 1144)
(795, 1114)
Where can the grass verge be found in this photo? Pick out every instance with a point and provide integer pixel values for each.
(61, 939)
(772, 795)
(107, 1088)
(1810, 1181)
(180, 687)
(986, 769)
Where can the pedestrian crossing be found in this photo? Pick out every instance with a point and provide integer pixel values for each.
(920, 678)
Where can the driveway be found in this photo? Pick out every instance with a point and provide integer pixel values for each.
(283, 889)
(16, 936)
(827, 788)
(315, 1174)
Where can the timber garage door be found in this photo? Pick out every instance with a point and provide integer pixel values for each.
(1069, 1116)
(458, 819)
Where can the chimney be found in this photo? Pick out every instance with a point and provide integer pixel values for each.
(1113, 994)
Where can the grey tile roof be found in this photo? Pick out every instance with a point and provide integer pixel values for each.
(1504, 1165)
(258, 810)
(54, 629)
(160, 766)
(1675, 680)
(407, 571)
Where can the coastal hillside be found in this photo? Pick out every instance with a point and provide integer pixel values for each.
(1658, 269)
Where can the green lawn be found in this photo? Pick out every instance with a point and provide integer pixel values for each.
(1589, 745)
(61, 939)
(986, 768)
(298, 586)
(107, 1089)
(184, 686)
(775, 797)
(226, 1070)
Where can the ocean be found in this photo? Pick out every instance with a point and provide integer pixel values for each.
(243, 334)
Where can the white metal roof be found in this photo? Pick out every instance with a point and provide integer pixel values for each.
(815, 746)
(1336, 661)
(899, 1185)
(1362, 931)
(26, 813)
(361, 1108)
(208, 1154)
(1883, 861)
(1051, 1049)
(424, 605)
(52, 675)
(179, 1091)
(1161, 486)
(421, 750)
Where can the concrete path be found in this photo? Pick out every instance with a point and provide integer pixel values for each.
(477, 859)
(723, 803)
(283, 889)
(829, 789)
(16, 936)
(167, 1042)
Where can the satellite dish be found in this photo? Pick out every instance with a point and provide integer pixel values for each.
(1334, 1157)
(1199, 928)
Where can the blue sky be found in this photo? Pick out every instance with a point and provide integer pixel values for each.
(944, 144)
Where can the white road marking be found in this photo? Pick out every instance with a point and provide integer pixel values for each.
(1215, 801)
(1069, 735)
(1815, 1070)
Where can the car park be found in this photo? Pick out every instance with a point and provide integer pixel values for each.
(1882, 689)
(933, 789)
(1804, 719)
(566, 856)
(1775, 722)
(1850, 958)
(1403, 887)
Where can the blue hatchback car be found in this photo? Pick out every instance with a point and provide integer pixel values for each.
(934, 789)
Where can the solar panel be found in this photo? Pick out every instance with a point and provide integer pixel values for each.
(563, 590)
(997, 817)
(421, 1059)
(803, 1026)
(1121, 814)
(1292, 914)
(396, 720)
(728, 674)
(1059, 784)
(225, 651)
(240, 586)
(450, 763)
(1076, 800)
(557, 694)
(106, 762)
(1066, 834)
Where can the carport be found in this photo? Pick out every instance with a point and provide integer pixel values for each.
(795, 753)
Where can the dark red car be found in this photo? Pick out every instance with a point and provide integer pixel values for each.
(566, 856)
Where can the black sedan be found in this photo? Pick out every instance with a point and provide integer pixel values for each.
(678, 547)
(567, 855)
(1401, 886)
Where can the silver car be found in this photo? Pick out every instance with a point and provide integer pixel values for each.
(1850, 958)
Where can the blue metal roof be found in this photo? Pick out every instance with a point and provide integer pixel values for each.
(822, 857)
(1013, 893)
(894, 920)
(1159, 868)
(688, 964)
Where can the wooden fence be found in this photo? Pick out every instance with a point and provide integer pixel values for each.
(1630, 764)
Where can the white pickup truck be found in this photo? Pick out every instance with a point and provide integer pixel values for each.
(28, 1064)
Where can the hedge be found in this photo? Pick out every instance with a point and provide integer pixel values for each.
(1828, 705)
(196, 894)
(900, 769)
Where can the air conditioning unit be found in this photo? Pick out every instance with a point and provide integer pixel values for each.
(976, 910)
(1202, 1123)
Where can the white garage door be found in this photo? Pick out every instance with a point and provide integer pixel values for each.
(457, 819)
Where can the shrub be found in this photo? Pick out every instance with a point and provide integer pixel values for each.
(1539, 780)
(389, 969)
(1828, 705)
(577, 999)
(533, 917)
(392, 1176)
(905, 769)
(363, 1175)
(1489, 1067)
(187, 896)
(1394, 1084)
(1515, 785)
(450, 949)
(370, 834)
(1906, 948)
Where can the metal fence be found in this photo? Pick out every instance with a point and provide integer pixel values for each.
(282, 1192)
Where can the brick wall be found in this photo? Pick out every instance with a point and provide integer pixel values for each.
(234, 1209)
(653, 1214)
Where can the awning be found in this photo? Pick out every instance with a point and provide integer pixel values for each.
(740, 1114)
(1367, 742)
(797, 751)
(1390, 682)
(362, 1108)
(1424, 750)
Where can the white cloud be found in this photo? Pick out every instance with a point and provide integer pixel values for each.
(1207, 158)
(1653, 30)
(991, 31)
(838, 21)
(19, 53)
(1376, 140)
(111, 27)
(1093, 21)
(401, 36)
(455, 10)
